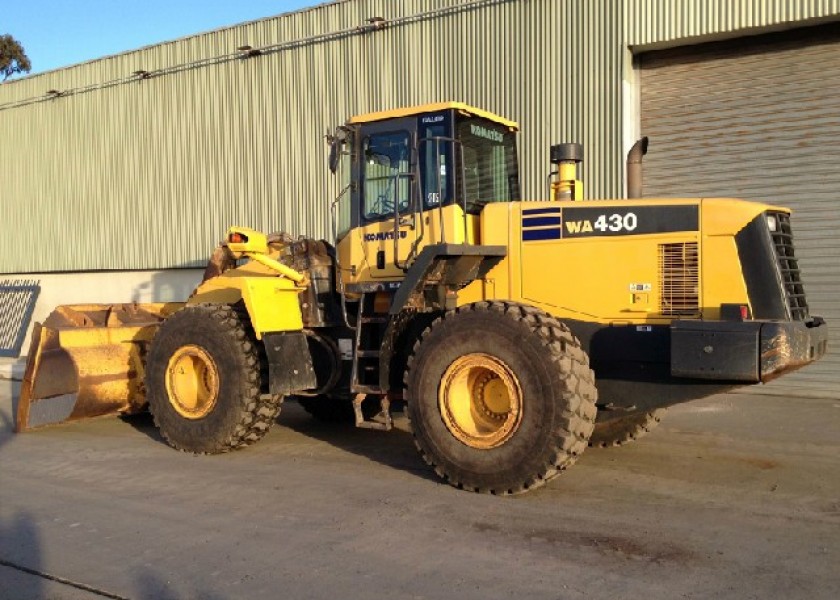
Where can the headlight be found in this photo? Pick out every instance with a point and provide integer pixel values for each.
(772, 223)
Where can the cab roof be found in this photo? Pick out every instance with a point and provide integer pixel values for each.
(431, 108)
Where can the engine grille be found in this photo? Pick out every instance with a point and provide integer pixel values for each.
(679, 279)
(789, 267)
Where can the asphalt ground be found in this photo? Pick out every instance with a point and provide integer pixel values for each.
(735, 496)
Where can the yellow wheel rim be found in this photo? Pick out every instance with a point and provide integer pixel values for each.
(480, 400)
(192, 382)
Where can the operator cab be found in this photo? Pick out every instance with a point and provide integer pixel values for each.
(397, 165)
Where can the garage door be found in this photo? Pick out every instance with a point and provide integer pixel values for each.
(758, 118)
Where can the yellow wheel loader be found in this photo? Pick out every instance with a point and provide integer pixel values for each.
(514, 333)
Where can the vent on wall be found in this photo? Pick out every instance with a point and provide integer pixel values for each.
(679, 279)
(17, 302)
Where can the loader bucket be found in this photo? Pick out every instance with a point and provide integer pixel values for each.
(88, 361)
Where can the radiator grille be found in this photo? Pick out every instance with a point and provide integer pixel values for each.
(679, 279)
(17, 302)
(789, 267)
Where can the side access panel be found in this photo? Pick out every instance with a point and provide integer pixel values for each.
(727, 351)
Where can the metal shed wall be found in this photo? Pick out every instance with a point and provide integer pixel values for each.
(148, 173)
(651, 23)
(127, 173)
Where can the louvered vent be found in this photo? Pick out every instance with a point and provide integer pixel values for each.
(17, 302)
(679, 279)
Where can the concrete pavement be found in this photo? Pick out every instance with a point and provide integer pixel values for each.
(735, 496)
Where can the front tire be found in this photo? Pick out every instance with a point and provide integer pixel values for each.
(500, 397)
(204, 379)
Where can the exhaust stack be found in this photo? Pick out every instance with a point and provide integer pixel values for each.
(566, 185)
(634, 168)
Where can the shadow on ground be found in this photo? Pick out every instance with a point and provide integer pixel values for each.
(394, 449)
(20, 555)
(10, 389)
(145, 424)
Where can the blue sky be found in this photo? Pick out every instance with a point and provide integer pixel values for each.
(57, 33)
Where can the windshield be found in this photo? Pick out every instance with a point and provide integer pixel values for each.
(491, 173)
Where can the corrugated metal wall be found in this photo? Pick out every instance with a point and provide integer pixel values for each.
(148, 173)
(651, 22)
(757, 118)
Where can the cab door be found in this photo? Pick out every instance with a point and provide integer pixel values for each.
(388, 193)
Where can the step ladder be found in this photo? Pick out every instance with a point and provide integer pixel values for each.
(364, 380)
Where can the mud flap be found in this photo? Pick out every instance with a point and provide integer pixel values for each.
(87, 361)
(289, 362)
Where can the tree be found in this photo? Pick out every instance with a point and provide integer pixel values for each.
(12, 57)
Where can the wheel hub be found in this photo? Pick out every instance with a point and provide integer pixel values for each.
(480, 401)
(192, 382)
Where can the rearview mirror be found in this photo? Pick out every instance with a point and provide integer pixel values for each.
(335, 145)
(336, 141)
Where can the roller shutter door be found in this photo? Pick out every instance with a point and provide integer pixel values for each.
(758, 118)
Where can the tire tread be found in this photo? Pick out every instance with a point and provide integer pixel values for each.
(572, 375)
(257, 412)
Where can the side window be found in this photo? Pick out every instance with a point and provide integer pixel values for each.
(491, 173)
(435, 157)
(387, 181)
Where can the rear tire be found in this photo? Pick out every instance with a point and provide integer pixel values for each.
(500, 397)
(203, 379)
(622, 430)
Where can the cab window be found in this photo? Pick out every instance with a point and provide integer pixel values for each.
(490, 166)
(436, 160)
(387, 174)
